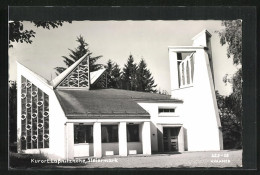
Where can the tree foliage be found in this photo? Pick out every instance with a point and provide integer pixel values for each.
(17, 33)
(113, 75)
(231, 106)
(12, 111)
(137, 77)
(145, 81)
(232, 36)
(77, 53)
(129, 74)
(231, 125)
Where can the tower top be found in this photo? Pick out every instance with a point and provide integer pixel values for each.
(202, 38)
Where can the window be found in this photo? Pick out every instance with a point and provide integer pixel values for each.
(34, 116)
(186, 70)
(109, 133)
(78, 77)
(166, 110)
(83, 134)
(132, 133)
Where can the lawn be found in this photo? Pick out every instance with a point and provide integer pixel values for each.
(217, 159)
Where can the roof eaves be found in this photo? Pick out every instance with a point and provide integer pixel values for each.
(108, 116)
(40, 78)
(159, 100)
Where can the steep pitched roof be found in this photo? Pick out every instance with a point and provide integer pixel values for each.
(64, 74)
(43, 80)
(106, 103)
(95, 75)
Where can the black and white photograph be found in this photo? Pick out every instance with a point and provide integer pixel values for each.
(125, 94)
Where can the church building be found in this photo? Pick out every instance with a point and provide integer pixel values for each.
(76, 116)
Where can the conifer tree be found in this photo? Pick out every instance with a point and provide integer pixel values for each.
(129, 80)
(145, 81)
(77, 53)
(113, 75)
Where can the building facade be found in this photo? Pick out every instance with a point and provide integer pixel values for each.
(75, 116)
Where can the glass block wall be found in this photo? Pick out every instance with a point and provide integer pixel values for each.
(79, 77)
(35, 116)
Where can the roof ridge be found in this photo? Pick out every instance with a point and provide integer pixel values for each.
(139, 91)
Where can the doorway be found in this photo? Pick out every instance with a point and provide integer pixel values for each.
(170, 139)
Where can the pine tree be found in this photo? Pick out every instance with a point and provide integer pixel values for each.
(145, 81)
(129, 80)
(77, 53)
(113, 75)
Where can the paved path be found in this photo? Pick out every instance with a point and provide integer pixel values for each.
(225, 158)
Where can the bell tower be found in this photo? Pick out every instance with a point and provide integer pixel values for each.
(191, 75)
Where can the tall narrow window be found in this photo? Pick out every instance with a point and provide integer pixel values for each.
(35, 116)
(182, 73)
(192, 67)
(133, 133)
(188, 72)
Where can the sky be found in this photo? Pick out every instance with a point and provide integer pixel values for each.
(116, 40)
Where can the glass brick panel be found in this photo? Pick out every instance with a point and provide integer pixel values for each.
(34, 115)
(79, 77)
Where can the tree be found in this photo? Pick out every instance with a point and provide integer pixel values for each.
(12, 111)
(232, 36)
(145, 81)
(18, 34)
(129, 80)
(231, 125)
(113, 75)
(77, 53)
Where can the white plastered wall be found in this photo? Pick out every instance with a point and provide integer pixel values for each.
(56, 116)
(100, 149)
(200, 112)
(158, 121)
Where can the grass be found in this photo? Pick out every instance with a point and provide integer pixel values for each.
(208, 159)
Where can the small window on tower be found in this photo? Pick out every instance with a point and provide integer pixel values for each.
(166, 110)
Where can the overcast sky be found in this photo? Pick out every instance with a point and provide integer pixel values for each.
(115, 40)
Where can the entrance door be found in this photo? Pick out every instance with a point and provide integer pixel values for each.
(170, 139)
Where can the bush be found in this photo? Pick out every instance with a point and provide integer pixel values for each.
(230, 122)
(18, 160)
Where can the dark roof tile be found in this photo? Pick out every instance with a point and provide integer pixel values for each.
(103, 103)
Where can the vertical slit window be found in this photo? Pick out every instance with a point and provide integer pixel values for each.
(182, 73)
(192, 67)
(188, 72)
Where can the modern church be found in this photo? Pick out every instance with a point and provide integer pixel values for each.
(75, 115)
